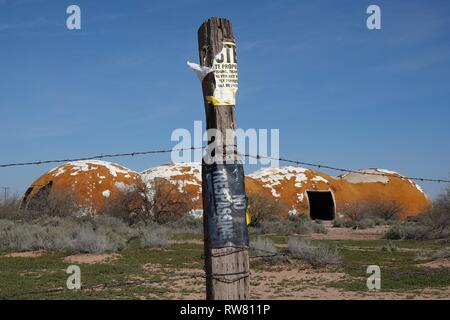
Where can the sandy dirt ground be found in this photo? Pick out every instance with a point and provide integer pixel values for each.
(349, 234)
(294, 281)
(25, 254)
(301, 283)
(91, 258)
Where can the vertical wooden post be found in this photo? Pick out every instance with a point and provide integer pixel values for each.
(227, 266)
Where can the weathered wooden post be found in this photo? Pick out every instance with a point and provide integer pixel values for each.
(224, 201)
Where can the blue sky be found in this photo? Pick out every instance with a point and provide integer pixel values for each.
(339, 93)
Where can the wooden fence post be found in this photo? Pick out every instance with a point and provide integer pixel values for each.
(226, 259)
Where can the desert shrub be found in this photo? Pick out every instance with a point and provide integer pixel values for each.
(317, 226)
(437, 218)
(57, 203)
(165, 204)
(433, 255)
(379, 221)
(417, 232)
(263, 208)
(129, 205)
(389, 247)
(410, 231)
(314, 254)
(264, 247)
(186, 224)
(383, 210)
(67, 234)
(60, 204)
(343, 223)
(339, 223)
(394, 232)
(154, 236)
(354, 211)
(282, 226)
(11, 210)
(365, 223)
(433, 224)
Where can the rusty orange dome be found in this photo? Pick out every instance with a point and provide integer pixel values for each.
(292, 184)
(181, 183)
(92, 183)
(375, 184)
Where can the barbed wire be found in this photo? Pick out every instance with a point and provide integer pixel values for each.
(323, 166)
(257, 156)
(97, 157)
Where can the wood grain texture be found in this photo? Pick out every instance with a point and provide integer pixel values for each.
(211, 35)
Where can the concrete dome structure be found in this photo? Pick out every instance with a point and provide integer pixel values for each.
(176, 188)
(375, 184)
(298, 187)
(182, 183)
(92, 184)
(293, 185)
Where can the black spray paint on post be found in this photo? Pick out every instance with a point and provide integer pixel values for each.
(226, 205)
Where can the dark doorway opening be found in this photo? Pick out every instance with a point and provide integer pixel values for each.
(321, 205)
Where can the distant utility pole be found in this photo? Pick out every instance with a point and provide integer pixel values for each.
(5, 189)
(224, 201)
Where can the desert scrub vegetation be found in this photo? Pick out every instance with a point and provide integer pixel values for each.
(263, 208)
(390, 247)
(154, 237)
(433, 224)
(367, 214)
(88, 235)
(282, 226)
(433, 254)
(54, 233)
(25, 230)
(316, 255)
(386, 210)
(265, 248)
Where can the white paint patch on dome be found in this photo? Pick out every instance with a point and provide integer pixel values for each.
(293, 212)
(388, 171)
(196, 213)
(59, 170)
(368, 176)
(106, 193)
(319, 178)
(88, 165)
(273, 177)
(179, 174)
(300, 197)
(122, 187)
(417, 186)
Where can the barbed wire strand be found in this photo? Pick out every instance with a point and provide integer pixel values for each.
(257, 156)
